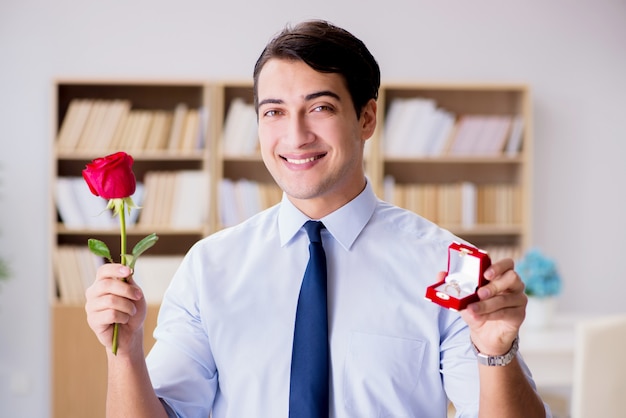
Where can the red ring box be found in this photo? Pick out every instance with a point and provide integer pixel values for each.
(466, 269)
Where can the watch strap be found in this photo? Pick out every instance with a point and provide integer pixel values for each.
(501, 360)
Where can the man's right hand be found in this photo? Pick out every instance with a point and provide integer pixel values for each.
(112, 300)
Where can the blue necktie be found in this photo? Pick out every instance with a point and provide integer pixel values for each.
(308, 390)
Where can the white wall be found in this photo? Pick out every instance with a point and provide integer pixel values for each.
(573, 54)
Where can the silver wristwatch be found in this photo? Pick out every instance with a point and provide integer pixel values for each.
(502, 360)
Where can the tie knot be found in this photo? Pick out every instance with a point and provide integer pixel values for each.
(313, 229)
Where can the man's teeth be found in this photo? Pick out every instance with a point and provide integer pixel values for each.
(301, 161)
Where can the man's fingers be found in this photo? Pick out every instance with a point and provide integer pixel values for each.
(109, 282)
(112, 270)
(499, 302)
(503, 279)
(496, 269)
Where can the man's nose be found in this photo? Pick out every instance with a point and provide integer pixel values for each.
(298, 132)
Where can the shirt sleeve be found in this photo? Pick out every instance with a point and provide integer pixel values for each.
(459, 370)
(181, 364)
(168, 409)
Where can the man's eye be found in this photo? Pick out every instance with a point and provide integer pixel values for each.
(322, 108)
(271, 113)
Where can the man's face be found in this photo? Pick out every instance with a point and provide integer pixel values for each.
(311, 139)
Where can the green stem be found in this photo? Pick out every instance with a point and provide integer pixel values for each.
(123, 232)
(122, 213)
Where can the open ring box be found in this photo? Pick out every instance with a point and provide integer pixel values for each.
(466, 268)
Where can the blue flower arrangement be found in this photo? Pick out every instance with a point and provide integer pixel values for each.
(539, 274)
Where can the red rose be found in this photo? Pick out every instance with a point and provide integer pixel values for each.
(111, 177)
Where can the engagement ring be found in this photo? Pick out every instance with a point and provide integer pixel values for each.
(454, 285)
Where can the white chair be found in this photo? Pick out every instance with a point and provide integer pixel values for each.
(599, 386)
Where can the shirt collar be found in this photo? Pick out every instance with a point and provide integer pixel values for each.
(345, 224)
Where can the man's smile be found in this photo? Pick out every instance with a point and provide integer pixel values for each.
(302, 160)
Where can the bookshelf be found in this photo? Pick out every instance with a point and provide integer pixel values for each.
(238, 184)
(166, 127)
(480, 191)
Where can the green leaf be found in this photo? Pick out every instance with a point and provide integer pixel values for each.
(144, 245)
(99, 248)
(140, 248)
(130, 261)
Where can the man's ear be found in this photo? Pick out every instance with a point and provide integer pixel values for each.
(368, 119)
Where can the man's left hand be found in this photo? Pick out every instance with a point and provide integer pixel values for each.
(494, 320)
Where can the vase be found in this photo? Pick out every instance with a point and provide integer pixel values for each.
(539, 312)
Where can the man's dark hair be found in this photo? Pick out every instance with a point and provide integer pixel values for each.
(329, 49)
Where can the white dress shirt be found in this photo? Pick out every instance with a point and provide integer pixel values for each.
(225, 329)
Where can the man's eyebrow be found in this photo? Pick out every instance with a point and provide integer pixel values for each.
(269, 101)
(321, 94)
(308, 97)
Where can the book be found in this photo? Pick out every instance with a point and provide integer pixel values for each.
(190, 204)
(449, 204)
(270, 193)
(191, 130)
(93, 126)
(468, 202)
(68, 275)
(88, 264)
(228, 203)
(65, 274)
(389, 186)
(74, 269)
(169, 196)
(514, 141)
(239, 136)
(408, 126)
(150, 196)
(178, 122)
(138, 139)
(203, 127)
(423, 121)
(248, 198)
(67, 206)
(442, 130)
(250, 138)
(153, 273)
(113, 114)
(123, 137)
(175, 199)
(498, 204)
(493, 135)
(73, 124)
(158, 134)
(467, 135)
(117, 139)
(391, 125)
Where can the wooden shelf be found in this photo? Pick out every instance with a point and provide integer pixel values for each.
(79, 362)
(440, 160)
(149, 156)
(131, 231)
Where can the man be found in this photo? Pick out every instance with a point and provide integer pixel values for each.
(226, 326)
